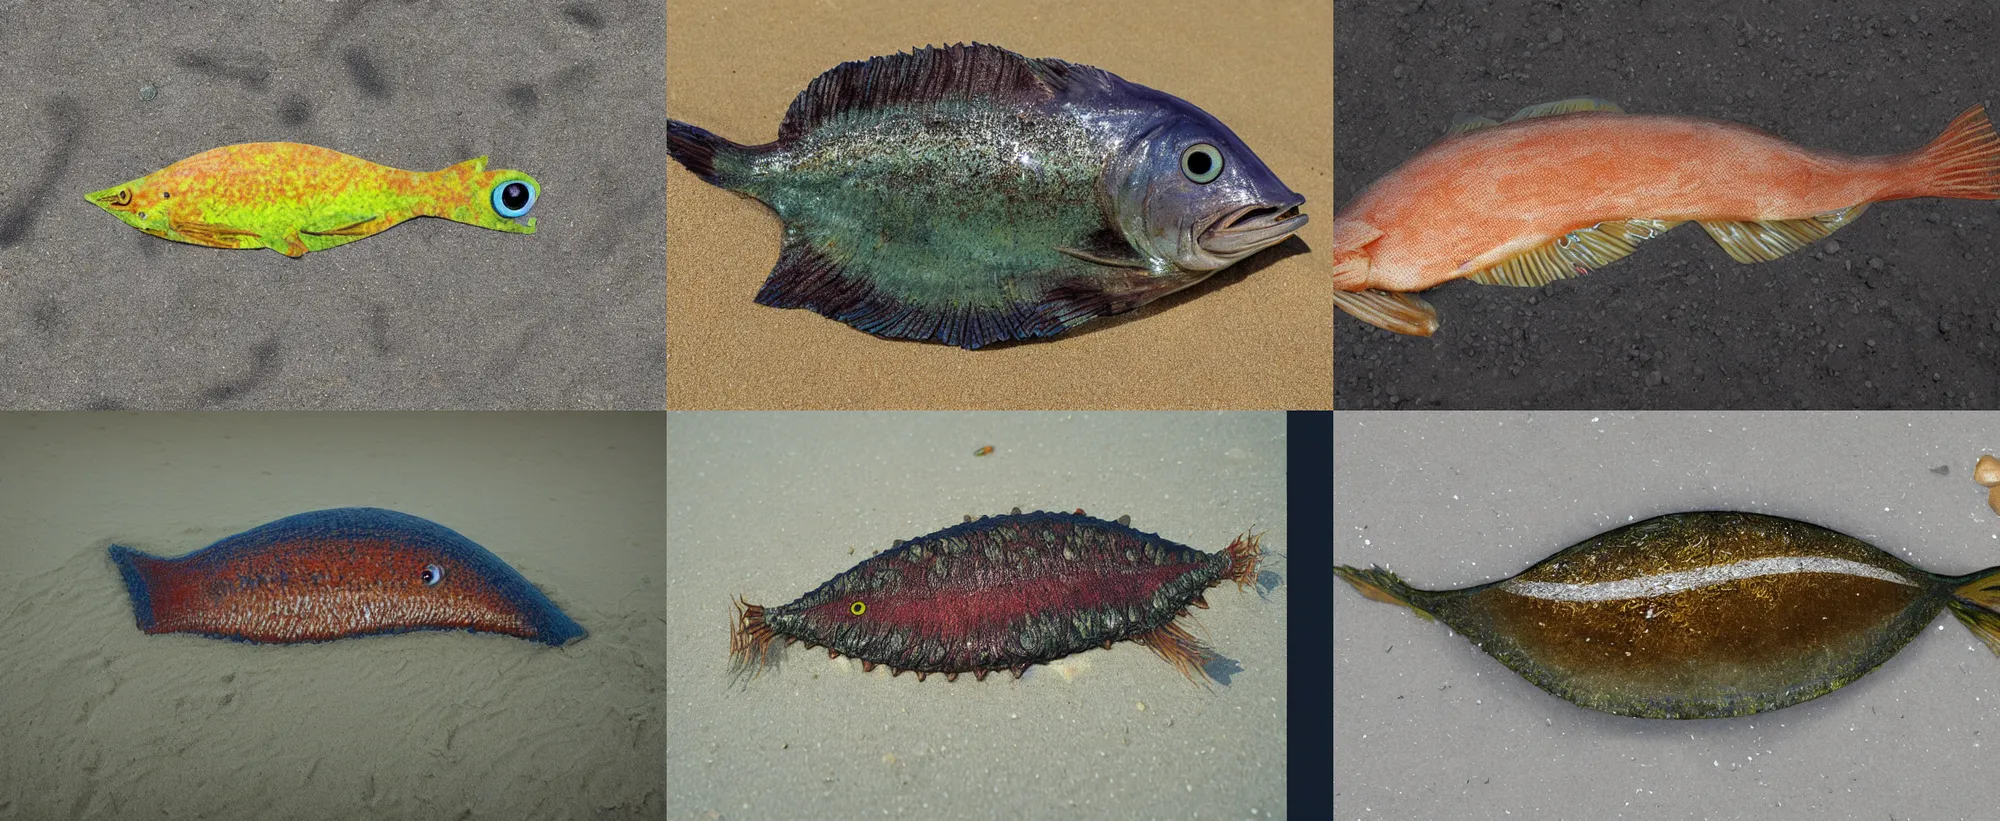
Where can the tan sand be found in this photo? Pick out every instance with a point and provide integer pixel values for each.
(104, 721)
(770, 505)
(1257, 335)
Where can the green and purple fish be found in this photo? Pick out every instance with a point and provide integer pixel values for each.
(969, 195)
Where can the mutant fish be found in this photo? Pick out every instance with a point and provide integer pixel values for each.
(1702, 615)
(969, 195)
(293, 198)
(1003, 593)
(1564, 188)
(332, 574)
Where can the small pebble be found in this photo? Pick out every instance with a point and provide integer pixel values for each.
(1987, 471)
(147, 93)
(1942, 470)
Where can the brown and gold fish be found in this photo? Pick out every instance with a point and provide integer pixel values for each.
(1702, 615)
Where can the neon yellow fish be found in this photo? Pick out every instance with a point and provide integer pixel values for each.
(293, 198)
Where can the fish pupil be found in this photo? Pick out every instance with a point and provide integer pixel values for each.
(515, 195)
(1198, 162)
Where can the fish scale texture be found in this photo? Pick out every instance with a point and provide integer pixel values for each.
(1000, 592)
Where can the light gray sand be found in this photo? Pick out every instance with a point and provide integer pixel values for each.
(1427, 726)
(429, 314)
(769, 505)
(104, 721)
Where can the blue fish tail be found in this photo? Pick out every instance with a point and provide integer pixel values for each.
(715, 160)
(128, 561)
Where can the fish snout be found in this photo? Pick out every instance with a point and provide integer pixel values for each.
(1253, 227)
(115, 198)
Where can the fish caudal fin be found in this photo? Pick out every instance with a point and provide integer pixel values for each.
(1403, 313)
(715, 160)
(1963, 162)
(1381, 585)
(1243, 554)
(1976, 603)
(137, 569)
(751, 642)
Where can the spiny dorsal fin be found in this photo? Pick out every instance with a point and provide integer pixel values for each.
(1749, 242)
(1569, 106)
(926, 75)
(1573, 254)
(1468, 123)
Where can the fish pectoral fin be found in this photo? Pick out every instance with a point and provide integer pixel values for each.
(1570, 106)
(342, 225)
(210, 234)
(1766, 240)
(1106, 248)
(1400, 312)
(1573, 254)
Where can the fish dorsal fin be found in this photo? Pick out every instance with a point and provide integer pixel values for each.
(1569, 106)
(1403, 313)
(1573, 254)
(1764, 241)
(1468, 123)
(930, 74)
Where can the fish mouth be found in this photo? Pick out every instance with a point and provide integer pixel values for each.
(1252, 228)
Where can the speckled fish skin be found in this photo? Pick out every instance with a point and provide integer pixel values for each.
(1565, 188)
(1702, 615)
(334, 574)
(295, 198)
(970, 195)
(1007, 592)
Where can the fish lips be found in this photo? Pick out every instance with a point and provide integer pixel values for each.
(1252, 228)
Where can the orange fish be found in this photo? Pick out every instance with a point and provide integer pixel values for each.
(1564, 188)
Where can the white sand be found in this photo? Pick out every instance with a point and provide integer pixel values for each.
(1428, 726)
(769, 505)
(104, 721)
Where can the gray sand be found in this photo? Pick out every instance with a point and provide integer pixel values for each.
(429, 314)
(1427, 726)
(104, 721)
(769, 505)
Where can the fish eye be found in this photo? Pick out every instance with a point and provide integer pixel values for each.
(857, 608)
(432, 575)
(513, 198)
(1201, 163)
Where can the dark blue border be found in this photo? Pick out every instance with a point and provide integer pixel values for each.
(1309, 656)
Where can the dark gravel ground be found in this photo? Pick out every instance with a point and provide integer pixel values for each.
(429, 314)
(1900, 310)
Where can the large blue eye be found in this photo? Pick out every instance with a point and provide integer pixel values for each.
(433, 573)
(513, 198)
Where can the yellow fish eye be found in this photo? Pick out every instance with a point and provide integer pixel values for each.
(857, 608)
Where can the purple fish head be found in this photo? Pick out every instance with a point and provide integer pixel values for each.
(1187, 191)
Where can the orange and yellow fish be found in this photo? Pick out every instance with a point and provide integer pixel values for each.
(293, 198)
(1564, 188)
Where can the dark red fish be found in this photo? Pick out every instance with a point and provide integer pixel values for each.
(1003, 593)
(332, 574)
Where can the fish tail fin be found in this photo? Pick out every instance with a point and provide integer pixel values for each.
(1963, 162)
(751, 642)
(1403, 313)
(715, 160)
(137, 569)
(1976, 603)
(1381, 585)
(1243, 554)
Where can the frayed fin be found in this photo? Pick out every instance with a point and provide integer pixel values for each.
(1185, 652)
(922, 77)
(1964, 161)
(1243, 554)
(1749, 242)
(1573, 254)
(1381, 585)
(715, 160)
(1976, 603)
(751, 642)
(1403, 313)
(1468, 123)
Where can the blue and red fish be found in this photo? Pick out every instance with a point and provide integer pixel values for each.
(333, 574)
